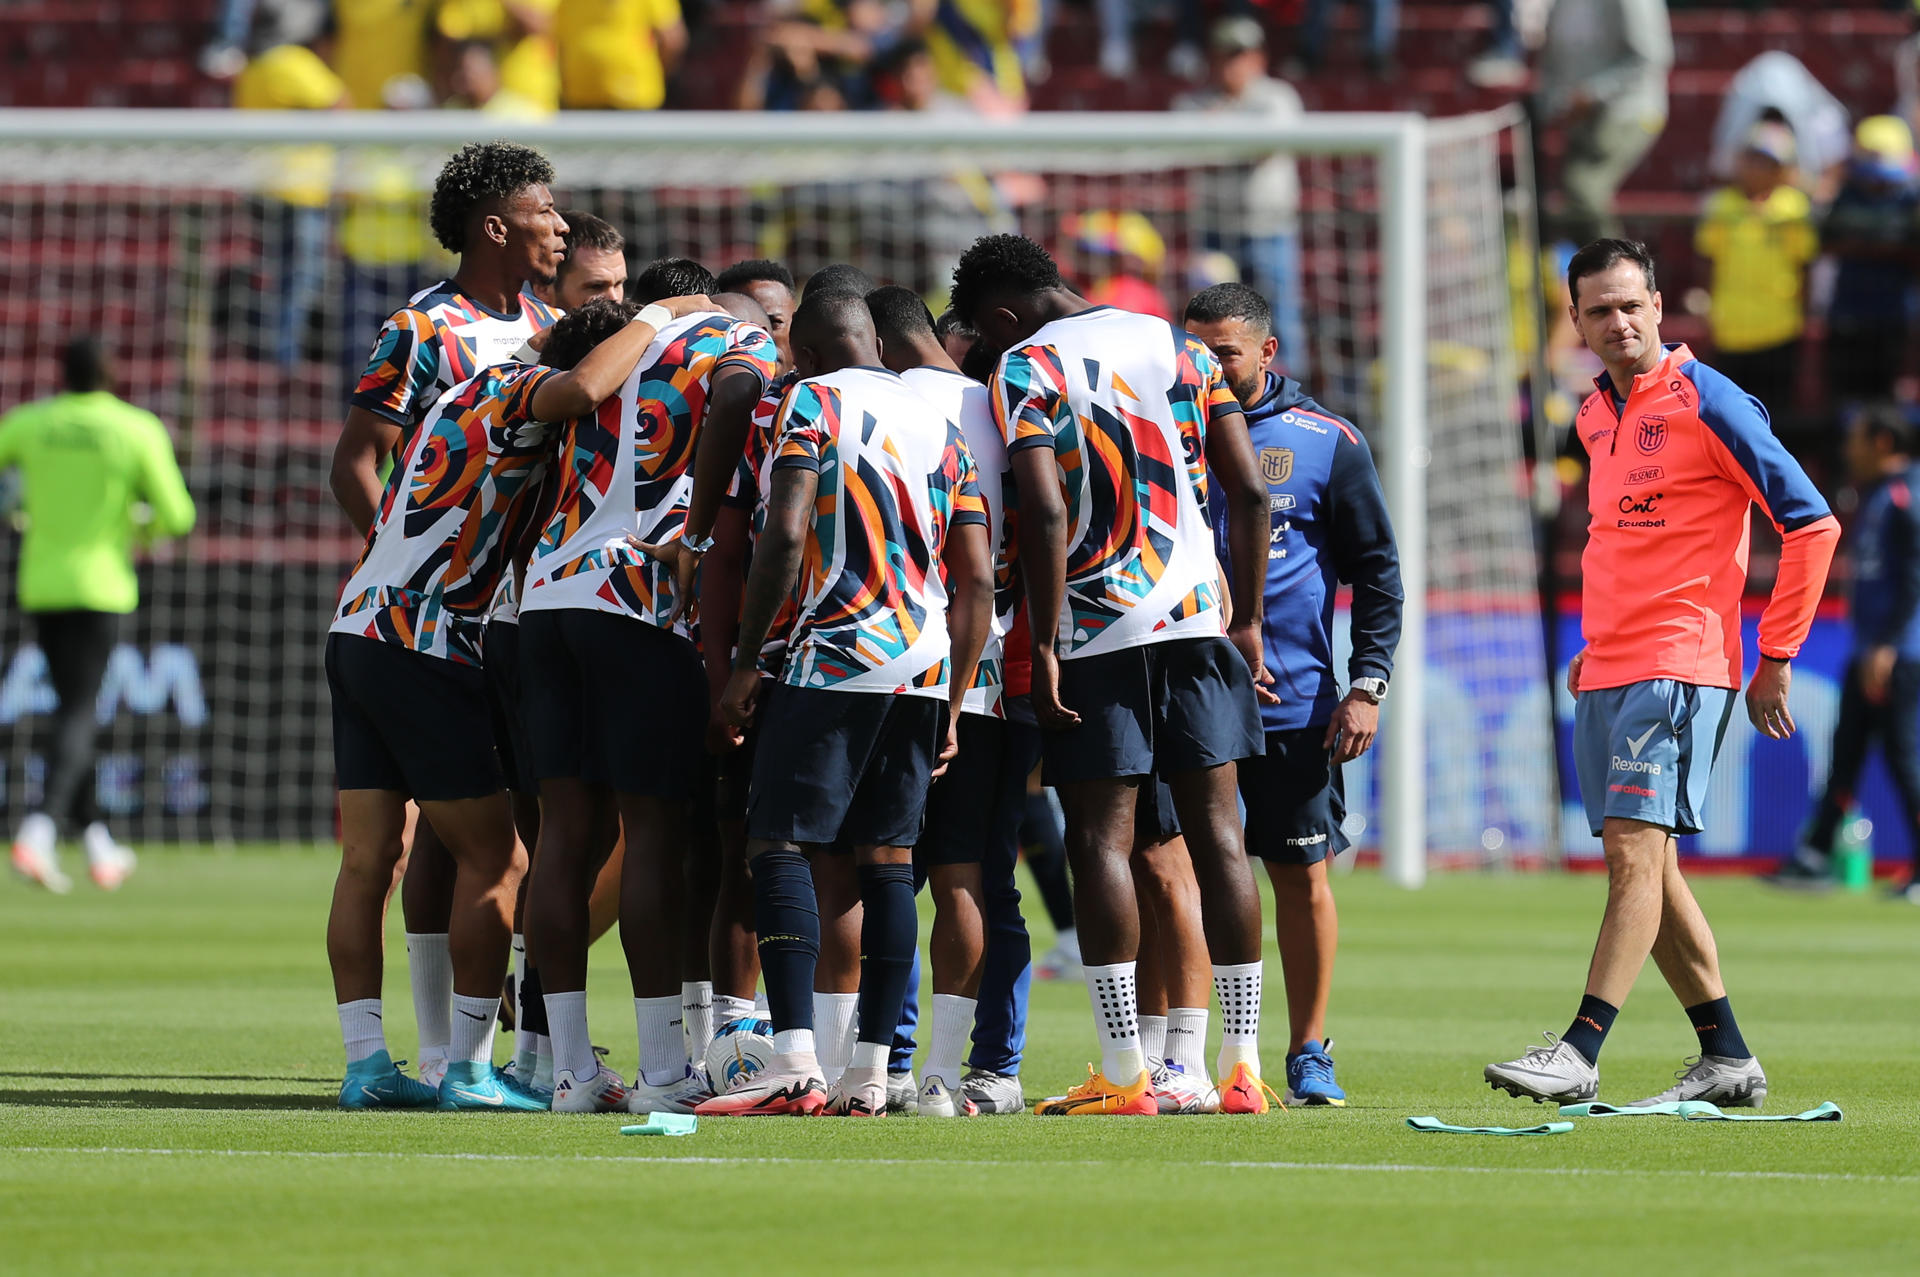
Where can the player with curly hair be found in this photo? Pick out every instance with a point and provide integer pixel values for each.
(492, 206)
(1115, 426)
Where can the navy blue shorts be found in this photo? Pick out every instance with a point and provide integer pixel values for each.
(1154, 817)
(612, 701)
(963, 805)
(1645, 751)
(1294, 799)
(1182, 705)
(848, 767)
(408, 722)
(502, 665)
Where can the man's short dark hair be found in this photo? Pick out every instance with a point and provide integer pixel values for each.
(1222, 302)
(1001, 264)
(950, 323)
(740, 306)
(1605, 254)
(589, 233)
(1888, 421)
(823, 318)
(899, 314)
(839, 278)
(670, 277)
(478, 174)
(577, 332)
(760, 270)
(84, 366)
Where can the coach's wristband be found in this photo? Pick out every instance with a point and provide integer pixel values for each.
(655, 314)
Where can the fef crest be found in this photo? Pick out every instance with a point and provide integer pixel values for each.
(1276, 464)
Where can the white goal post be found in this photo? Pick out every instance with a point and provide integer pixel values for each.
(1405, 261)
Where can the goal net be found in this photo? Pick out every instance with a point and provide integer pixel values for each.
(238, 267)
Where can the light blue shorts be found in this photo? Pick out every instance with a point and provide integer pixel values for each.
(1645, 751)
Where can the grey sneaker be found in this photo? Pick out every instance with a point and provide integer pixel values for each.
(993, 1092)
(1729, 1083)
(1553, 1072)
(903, 1094)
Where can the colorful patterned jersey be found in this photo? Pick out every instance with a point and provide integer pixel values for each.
(628, 469)
(433, 343)
(967, 403)
(460, 494)
(1124, 401)
(894, 476)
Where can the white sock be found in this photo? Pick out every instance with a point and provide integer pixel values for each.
(572, 1047)
(663, 1040)
(727, 1009)
(99, 843)
(1116, 1015)
(696, 1015)
(1153, 1038)
(1238, 988)
(793, 1042)
(869, 1055)
(519, 969)
(1069, 943)
(473, 1022)
(361, 1029)
(38, 832)
(952, 1025)
(834, 1015)
(761, 1007)
(543, 1059)
(430, 968)
(1187, 1039)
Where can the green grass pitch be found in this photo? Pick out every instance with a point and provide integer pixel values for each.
(168, 1062)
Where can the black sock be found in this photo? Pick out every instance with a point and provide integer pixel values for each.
(889, 930)
(1719, 1035)
(1588, 1032)
(533, 1004)
(787, 915)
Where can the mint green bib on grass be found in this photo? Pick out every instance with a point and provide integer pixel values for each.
(1698, 1111)
(1435, 1124)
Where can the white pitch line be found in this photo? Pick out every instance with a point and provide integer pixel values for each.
(1384, 1168)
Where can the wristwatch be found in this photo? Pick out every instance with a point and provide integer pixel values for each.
(1374, 689)
(701, 546)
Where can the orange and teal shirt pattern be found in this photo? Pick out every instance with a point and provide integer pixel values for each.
(627, 469)
(1674, 472)
(1124, 401)
(894, 477)
(460, 496)
(433, 343)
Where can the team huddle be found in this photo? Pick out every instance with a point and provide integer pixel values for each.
(741, 617)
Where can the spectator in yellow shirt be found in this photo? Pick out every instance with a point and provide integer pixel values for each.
(298, 188)
(520, 33)
(380, 50)
(615, 54)
(1759, 235)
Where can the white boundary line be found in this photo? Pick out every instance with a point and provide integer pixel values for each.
(1384, 1168)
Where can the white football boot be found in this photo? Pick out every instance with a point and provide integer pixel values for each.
(1553, 1072)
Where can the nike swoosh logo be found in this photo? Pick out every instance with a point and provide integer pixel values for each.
(494, 1100)
(471, 1016)
(1637, 745)
(370, 1093)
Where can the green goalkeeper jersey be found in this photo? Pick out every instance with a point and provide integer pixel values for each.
(85, 462)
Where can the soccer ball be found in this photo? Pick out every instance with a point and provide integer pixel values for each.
(740, 1048)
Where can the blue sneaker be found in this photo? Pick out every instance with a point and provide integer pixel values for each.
(478, 1085)
(377, 1083)
(1310, 1077)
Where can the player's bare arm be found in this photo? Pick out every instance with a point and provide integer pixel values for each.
(1043, 559)
(599, 375)
(968, 560)
(776, 566)
(1231, 462)
(723, 441)
(365, 442)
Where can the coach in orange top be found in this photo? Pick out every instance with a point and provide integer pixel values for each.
(1678, 454)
